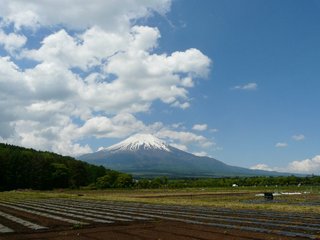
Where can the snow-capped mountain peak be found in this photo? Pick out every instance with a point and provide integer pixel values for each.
(146, 155)
(138, 142)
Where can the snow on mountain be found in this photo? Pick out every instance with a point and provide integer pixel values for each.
(138, 142)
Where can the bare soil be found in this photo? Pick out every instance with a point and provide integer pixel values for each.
(167, 222)
(43, 221)
(158, 230)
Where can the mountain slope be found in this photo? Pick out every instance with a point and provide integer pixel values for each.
(146, 155)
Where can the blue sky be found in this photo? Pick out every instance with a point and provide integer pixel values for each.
(235, 80)
(274, 44)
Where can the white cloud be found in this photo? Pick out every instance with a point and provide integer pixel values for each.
(85, 50)
(90, 82)
(119, 126)
(58, 138)
(124, 124)
(306, 166)
(201, 154)
(50, 128)
(262, 166)
(281, 145)
(310, 165)
(248, 87)
(79, 14)
(178, 104)
(179, 146)
(140, 77)
(178, 125)
(299, 137)
(192, 61)
(11, 42)
(200, 127)
(184, 137)
(187, 82)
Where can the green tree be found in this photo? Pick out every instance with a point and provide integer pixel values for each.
(108, 180)
(124, 181)
(143, 183)
(60, 175)
(78, 175)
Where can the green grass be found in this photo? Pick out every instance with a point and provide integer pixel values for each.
(30, 194)
(219, 197)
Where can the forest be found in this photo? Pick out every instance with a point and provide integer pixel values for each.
(22, 168)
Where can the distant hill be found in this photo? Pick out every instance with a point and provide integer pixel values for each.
(27, 168)
(147, 156)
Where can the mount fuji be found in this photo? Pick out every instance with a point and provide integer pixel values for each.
(145, 155)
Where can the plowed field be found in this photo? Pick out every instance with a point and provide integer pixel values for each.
(88, 219)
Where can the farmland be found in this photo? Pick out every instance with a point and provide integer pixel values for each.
(220, 213)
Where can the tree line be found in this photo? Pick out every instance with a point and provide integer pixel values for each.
(230, 181)
(163, 182)
(22, 168)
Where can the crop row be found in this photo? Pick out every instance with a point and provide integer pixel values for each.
(101, 212)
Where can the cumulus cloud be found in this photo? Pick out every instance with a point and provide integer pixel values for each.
(79, 14)
(310, 165)
(178, 125)
(119, 126)
(262, 166)
(281, 145)
(200, 127)
(299, 137)
(83, 51)
(90, 75)
(247, 87)
(58, 137)
(201, 154)
(11, 42)
(124, 125)
(306, 166)
(179, 146)
(139, 77)
(182, 136)
(185, 138)
(58, 133)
